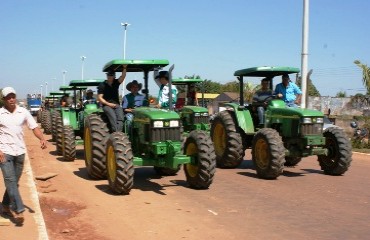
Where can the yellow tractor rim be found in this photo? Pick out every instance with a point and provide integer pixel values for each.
(111, 163)
(192, 150)
(262, 153)
(87, 143)
(219, 139)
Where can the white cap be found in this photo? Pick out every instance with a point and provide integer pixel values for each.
(7, 90)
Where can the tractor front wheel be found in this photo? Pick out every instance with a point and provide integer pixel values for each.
(200, 172)
(227, 141)
(339, 156)
(268, 153)
(120, 166)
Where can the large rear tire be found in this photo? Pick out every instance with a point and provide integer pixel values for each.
(58, 133)
(227, 141)
(53, 126)
(38, 117)
(68, 144)
(339, 152)
(200, 172)
(96, 134)
(120, 166)
(47, 123)
(268, 153)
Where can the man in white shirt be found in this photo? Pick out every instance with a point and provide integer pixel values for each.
(12, 151)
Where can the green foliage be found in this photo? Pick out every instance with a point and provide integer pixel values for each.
(341, 94)
(212, 87)
(311, 89)
(230, 87)
(365, 75)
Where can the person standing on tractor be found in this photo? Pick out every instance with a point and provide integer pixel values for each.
(108, 96)
(132, 100)
(288, 91)
(162, 80)
(261, 97)
(13, 150)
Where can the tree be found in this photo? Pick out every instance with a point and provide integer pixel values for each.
(341, 94)
(365, 75)
(311, 89)
(230, 87)
(211, 87)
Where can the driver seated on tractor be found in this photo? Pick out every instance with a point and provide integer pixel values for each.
(108, 96)
(132, 100)
(261, 97)
(288, 91)
(162, 80)
(89, 98)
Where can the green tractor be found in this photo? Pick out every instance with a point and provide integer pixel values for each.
(69, 121)
(154, 139)
(192, 117)
(46, 114)
(288, 134)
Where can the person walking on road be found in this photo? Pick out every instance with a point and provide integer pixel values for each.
(12, 151)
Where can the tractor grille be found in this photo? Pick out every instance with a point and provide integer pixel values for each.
(201, 119)
(163, 134)
(311, 129)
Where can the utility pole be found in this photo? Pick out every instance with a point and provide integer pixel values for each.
(304, 60)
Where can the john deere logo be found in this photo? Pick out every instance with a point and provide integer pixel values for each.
(166, 124)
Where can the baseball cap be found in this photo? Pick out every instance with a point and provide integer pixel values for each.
(7, 90)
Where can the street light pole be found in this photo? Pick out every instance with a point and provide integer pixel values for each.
(124, 38)
(64, 77)
(41, 91)
(304, 59)
(82, 70)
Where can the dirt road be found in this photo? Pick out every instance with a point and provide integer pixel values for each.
(302, 204)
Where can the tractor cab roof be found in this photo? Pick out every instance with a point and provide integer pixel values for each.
(134, 65)
(55, 94)
(266, 71)
(186, 81)
(83, 84)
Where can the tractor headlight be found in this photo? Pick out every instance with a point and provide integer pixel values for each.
(205, 114)
(196, 114)
(320, 120)
(174, 123)
(307, 120)
(158, 124)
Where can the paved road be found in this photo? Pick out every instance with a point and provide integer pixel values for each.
(302, 204)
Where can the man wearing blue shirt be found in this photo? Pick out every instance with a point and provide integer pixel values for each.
(288, 91)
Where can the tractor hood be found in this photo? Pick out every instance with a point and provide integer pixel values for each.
(194, 109)
(147, 114)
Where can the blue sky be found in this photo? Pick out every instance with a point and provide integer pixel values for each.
(210, 38)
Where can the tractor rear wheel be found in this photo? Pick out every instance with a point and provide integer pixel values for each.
(227, 141)
(200, 172)
(268, 153)
(339, 152)
(292, 161)
(120, 166)
(43, 117)
(38, 117)
(53, 126)
(58, 132)
(68, 144)
(96, 134)
(47, 123)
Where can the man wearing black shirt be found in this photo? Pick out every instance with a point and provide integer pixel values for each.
(108, 95)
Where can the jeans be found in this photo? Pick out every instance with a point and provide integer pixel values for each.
(115, 117)
(261, 115)
(12, 170)
(129, 118)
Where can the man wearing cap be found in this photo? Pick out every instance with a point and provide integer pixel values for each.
(108, 96)
(162, 80)
(288, 91)
(13, 149)
(132, 100)
(89, 99)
